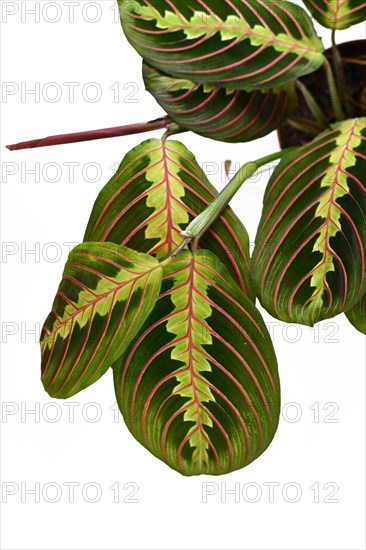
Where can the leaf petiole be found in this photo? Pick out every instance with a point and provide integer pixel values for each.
(203, 221)
(333, 90)
(304, 125)
(339, 74)
(62, 139)
(313, 105)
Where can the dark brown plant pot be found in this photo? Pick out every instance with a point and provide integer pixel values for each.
(353, 55)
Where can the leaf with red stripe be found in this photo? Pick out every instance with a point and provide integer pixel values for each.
(232, 43)
(337, 14)
(310, 249)
(106, 293)
(157, 190)
(357, 315)
(223, 114)
(199, 386)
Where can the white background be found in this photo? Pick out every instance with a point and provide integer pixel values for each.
(320, 442)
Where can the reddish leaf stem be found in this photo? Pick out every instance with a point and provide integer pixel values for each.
(159, 123)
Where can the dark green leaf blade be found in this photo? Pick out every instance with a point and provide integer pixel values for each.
(105, 295)
(335, 14)
(231, 43)
(158, 189)
(357, 315)
(199, 386)
(309, 257)
(220, 113)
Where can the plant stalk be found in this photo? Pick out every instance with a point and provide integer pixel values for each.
(304, 125)
(203, 221)
(333, 90)
(354, 60)
(339, 74)
(172, 130)
(157, 124)
(313, 105)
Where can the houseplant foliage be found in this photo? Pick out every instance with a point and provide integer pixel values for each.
(163, 289)
(313, 214)
(337, 15)
(357, 315)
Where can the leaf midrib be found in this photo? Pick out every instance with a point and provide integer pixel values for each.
(92, 304)
(223, 26)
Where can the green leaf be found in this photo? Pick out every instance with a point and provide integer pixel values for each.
(106, 293)
(199, 386)
(157, 190)
(357, 315)
(220, 113)
(309, 257)
(336, 14)
(232, 43)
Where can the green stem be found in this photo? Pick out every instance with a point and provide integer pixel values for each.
(203, 221)
(333, 90)
(172, 130)
(179, 248)
(339, 74)
(313, 105)
(304, 125)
